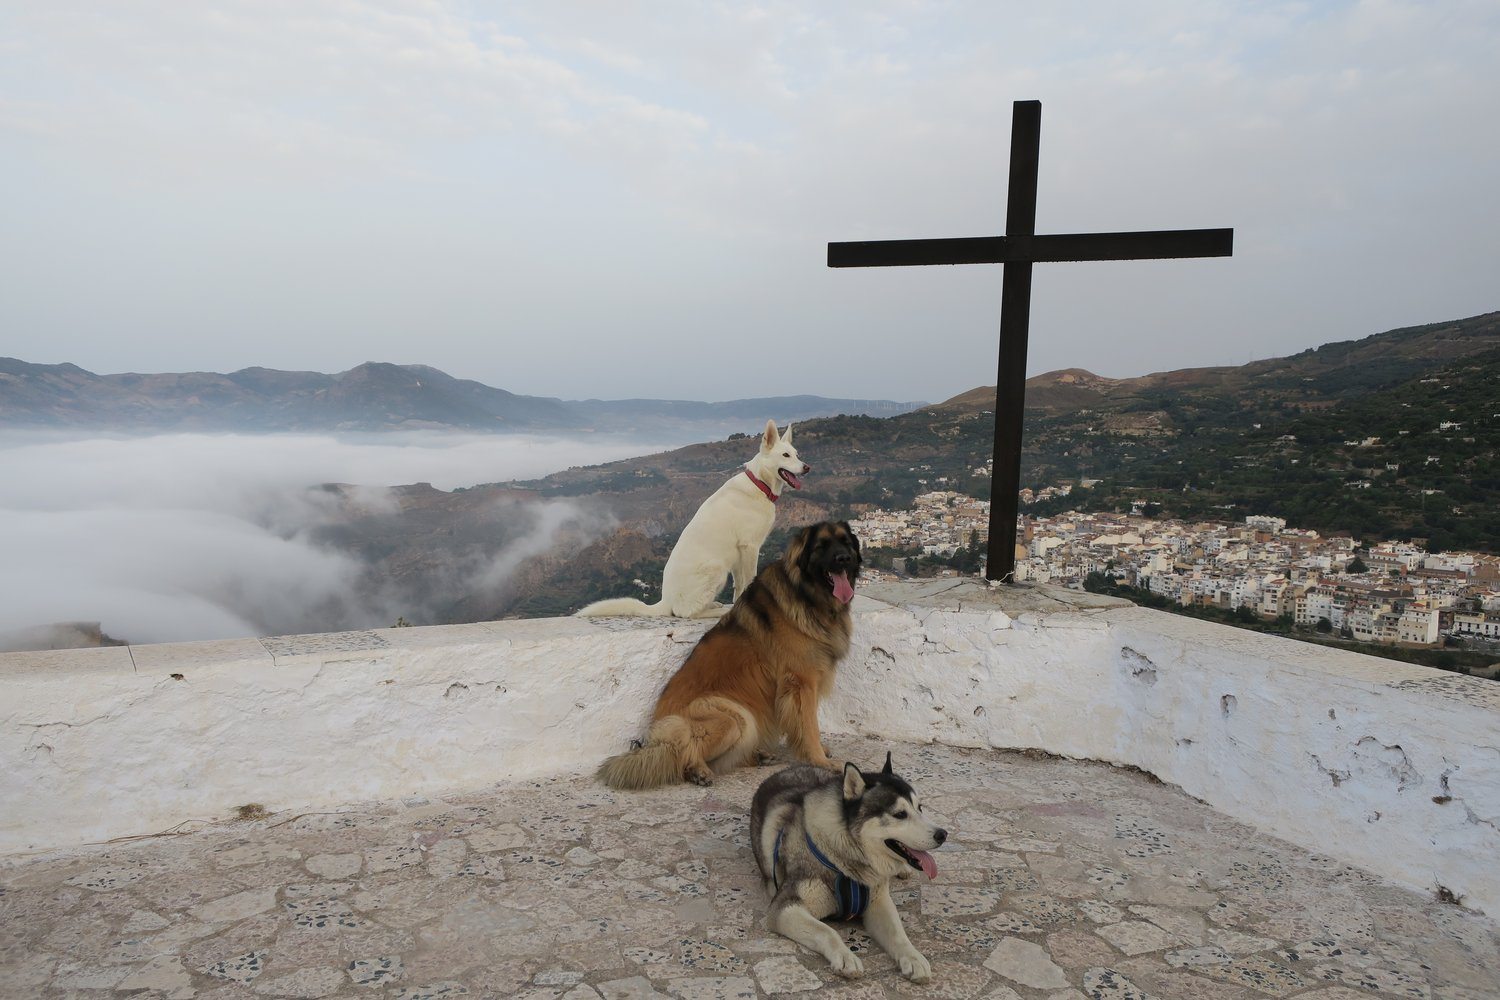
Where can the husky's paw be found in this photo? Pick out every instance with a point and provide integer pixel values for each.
(847, 964)
(915, 967)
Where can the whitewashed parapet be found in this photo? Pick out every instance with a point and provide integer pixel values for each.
(1391, 767)
(132, 740)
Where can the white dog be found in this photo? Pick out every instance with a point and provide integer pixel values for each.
(723, 538)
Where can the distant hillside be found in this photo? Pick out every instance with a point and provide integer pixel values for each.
(1293, 436)
(372, 397)
(1333, 371)
(1286, 436)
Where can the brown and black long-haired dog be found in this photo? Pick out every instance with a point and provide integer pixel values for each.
(758, 675)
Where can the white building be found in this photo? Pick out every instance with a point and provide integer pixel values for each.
(1314, 604)
(1395, 555)
(1418, 625)
(1477, 624)
(1463, 562)
(1043, 544)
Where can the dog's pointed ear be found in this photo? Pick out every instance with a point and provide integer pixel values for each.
(769, 437)
(798, 547)
(854, 782)
(887, 768)
(787, 437)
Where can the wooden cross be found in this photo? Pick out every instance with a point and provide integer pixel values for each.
(1018, 249)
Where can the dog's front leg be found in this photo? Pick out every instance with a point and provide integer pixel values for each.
(883, 923)
(745, 563)
(797, 714)
(789, 917)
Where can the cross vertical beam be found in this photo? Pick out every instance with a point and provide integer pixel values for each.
(1015, 321)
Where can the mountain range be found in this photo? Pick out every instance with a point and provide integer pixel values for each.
(1395, 435)
(374, 396)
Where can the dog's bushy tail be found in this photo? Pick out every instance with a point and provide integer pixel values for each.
(655, 764)
(620, 606)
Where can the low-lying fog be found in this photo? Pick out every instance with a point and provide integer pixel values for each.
(206, 536)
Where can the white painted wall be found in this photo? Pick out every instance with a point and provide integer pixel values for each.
(111, 741)
(1392, 767)
(1340, 753)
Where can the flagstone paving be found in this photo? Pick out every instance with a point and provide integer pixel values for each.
(1061, 880)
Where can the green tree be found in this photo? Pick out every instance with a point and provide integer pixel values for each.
(1098, 583)
(969, 558)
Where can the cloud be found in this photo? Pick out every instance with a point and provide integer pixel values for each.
(315, 90)
(168, 575)
(233, 472)
(192, 536)
(547, 522)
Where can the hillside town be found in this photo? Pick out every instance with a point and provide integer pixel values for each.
(1391, 593)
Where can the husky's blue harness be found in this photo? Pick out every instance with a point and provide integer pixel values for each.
(852, 896)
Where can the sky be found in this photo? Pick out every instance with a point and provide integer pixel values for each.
(592, 199)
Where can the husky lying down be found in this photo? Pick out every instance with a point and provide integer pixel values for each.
(828, 847)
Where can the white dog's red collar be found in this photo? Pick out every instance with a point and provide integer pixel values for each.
(770, 495)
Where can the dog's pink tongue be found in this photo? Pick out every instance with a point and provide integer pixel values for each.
(929, 866)
(842, 589)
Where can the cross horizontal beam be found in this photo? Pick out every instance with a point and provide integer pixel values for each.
(1021, 249)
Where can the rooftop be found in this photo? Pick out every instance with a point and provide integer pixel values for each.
(1328, 826)
(1061, 875)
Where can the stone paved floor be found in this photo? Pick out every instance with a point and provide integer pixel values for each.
(1062, 880)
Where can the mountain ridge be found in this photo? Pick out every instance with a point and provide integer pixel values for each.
(1378, 352)
(373, 396)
